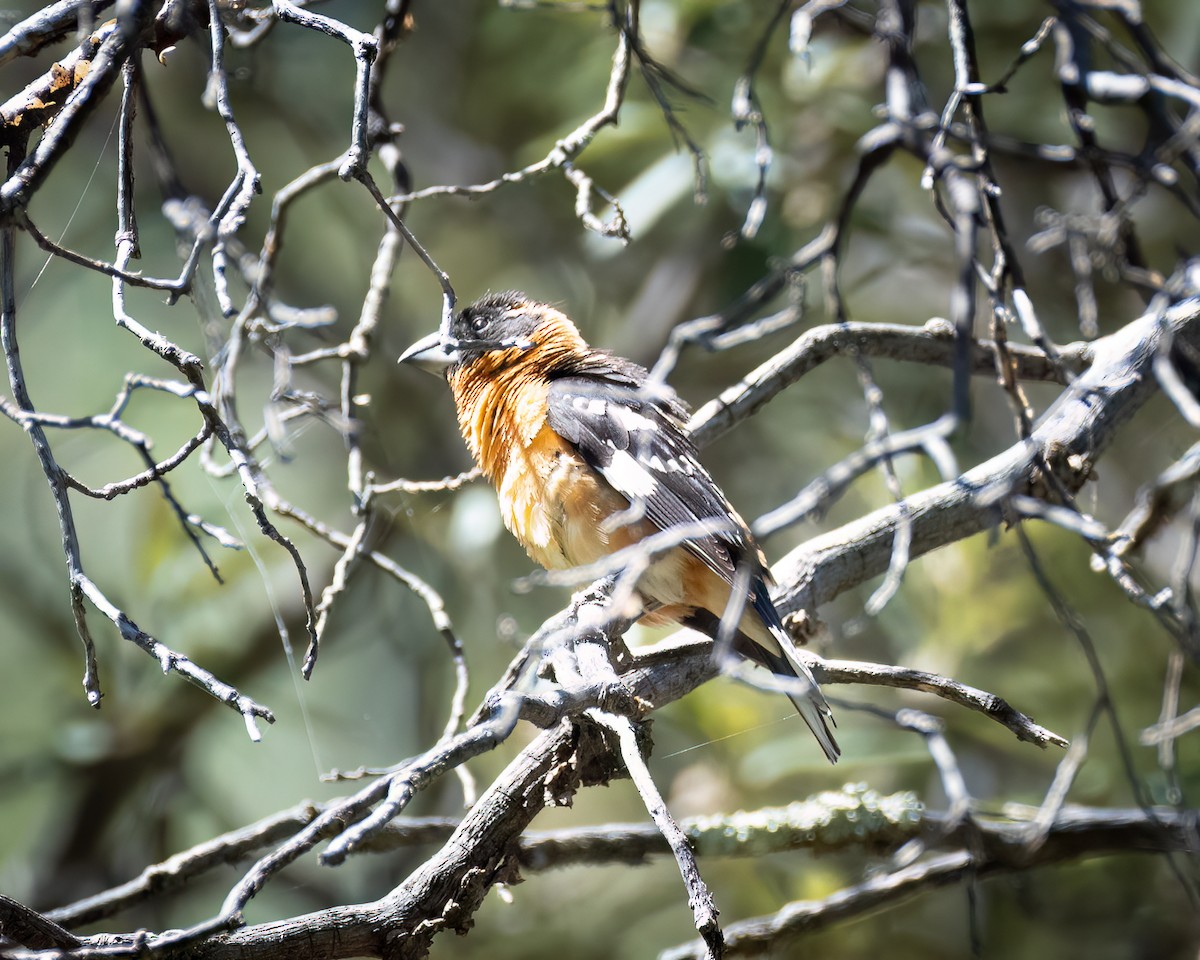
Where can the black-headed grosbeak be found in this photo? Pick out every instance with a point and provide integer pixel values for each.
(587, 459)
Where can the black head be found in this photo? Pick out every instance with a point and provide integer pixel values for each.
(499, 319)
(495, 324)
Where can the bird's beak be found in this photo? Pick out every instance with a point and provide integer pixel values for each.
(432, 353)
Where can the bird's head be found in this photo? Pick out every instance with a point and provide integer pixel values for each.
(498, 331)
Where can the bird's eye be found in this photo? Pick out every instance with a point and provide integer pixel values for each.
(479, 322)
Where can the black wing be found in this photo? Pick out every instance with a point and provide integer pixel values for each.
(635, 439)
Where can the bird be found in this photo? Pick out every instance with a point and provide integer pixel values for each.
(588, 457)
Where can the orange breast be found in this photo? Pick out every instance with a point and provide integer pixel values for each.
(554, 504)
(550, 500)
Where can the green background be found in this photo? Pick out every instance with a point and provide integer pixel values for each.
(88, 798)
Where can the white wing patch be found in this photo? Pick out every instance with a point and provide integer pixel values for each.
(631, 420)
(638, 445)
(630, 476)
(670, 465)
(623, 416)
(590, 406)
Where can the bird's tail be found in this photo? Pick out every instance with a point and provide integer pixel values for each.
(813, 708)
(810, 703)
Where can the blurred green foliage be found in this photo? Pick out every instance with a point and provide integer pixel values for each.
(88, 798)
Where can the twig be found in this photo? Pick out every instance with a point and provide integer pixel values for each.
(817, 496)
(25, 177)
(230, 213)
(659, 80)
(82, 587)
(446, 484)
(20, 925)
(176, 871)
(1157, 502)
(1166, 731)
(998, 709)
(48, 25)
(431, 598)
(448, 296)
(169, 660)
(177, 286)
(1105, 703)
(932, 344)
(1064, 777)
(746, 110)
(280, 205)
(704, 909)
(566, 151)
(399, 788)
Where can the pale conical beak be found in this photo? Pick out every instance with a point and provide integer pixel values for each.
(431, 353)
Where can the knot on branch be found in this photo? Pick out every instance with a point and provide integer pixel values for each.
(41, 100)
(1062, 470)
(802, 625)
(590, 761)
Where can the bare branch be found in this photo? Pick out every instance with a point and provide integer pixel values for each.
(48, 25)
(1070, 437)
(113, 46)
(1077, 832)
(932, 344)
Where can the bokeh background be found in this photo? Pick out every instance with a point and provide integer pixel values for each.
(87, 798)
